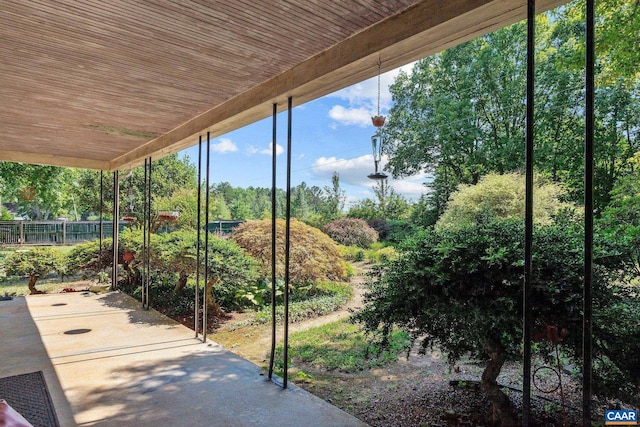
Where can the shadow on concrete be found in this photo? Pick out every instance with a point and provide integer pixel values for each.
(133, 307)
(213, 388)
(22, 351)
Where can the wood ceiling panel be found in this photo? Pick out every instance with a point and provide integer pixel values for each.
(103, 84)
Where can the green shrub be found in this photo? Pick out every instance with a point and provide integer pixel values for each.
(236, 272)
(87, 259)
(382, 255)
(399, 231)
(35, 263)
(351, 253)
(351, 232)
(313, 257)
(310, 301)
(173, 259)
(461, 290)
(503, 197)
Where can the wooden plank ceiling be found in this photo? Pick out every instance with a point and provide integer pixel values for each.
(104, 84)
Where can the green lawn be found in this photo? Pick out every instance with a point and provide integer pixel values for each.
(340, 346)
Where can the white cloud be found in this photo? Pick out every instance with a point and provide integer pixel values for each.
(266, 151)
(354, 172)
(351, 116)
(224, 145)
(362, 99)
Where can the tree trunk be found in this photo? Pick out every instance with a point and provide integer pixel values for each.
(32, 285)
(502, 412)
(212, 304)
(182, 282)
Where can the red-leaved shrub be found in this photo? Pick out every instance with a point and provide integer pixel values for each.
(351, 232)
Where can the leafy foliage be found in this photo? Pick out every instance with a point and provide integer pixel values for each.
(620, 222)
(459, 115)
(388, 205)
(169, 174)
(502, 196)
(310, 301)
(399, 230)
(35, 263)
(87, 258)
(461, 289)
(351, 232)
(313, 255)
(50, 189)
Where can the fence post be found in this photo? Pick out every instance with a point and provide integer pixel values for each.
(21, 238)
(64, 233)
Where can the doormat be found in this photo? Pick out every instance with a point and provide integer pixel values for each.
(29, 396)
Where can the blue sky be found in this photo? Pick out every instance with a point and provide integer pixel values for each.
(332, 133)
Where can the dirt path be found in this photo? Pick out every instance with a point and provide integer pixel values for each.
(254, 342)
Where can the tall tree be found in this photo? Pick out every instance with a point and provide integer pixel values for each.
(334, 199)
(42, 192)
(388, 205)
(460, 114)
(299, 205)
(169, 174)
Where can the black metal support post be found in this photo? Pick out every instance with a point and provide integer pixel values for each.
(588, 214)
(205, 297)
(273, 241)
(147, 235)
(145, 230)
(528, 221)
(101, 208)
(196, 315)
(116, 214)
(287, 247)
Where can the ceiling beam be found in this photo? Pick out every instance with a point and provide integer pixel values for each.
(424, 29)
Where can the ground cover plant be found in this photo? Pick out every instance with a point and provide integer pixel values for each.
(341, 346)
(308, 301)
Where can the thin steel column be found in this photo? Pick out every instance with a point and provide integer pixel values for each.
(116, 213)
(287, 247)
(148, 258)
(528, 221)
(206, 244)
(273, 241)
(101, 208)
(588, 214)
(196, 315)
(144, 235)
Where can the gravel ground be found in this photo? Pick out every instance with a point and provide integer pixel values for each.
(418, 392)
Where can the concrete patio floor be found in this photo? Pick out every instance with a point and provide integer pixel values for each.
(107, 362)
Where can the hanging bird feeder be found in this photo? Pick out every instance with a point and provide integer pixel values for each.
(168, 216)
(131, 218)
(377, 140)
